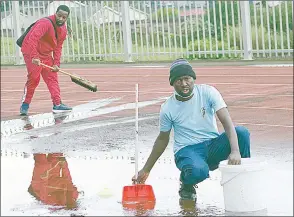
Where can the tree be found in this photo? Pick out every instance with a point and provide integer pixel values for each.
(221, 16)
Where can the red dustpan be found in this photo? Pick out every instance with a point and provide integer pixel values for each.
(138, 195)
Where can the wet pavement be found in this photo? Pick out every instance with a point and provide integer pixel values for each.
(49, 159)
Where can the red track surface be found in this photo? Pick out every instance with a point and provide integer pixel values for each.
(258, 97)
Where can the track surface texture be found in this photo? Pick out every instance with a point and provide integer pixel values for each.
(98, 137)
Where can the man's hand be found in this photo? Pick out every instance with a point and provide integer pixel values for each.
(160, 144)
(234, 158)
(56, 68)
(142, 176)
(36, 61)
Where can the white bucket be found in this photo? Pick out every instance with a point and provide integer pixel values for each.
(244, 185)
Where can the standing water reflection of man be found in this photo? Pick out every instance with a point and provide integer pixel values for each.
(52, 182)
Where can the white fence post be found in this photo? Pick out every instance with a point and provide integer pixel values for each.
(16, 30)
(246, 29)
(127, 39)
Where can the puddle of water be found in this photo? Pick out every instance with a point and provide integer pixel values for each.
(80, 112)
(24, 123)
(56, 184)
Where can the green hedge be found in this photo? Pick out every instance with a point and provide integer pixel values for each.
(257, 38)
(285, 9)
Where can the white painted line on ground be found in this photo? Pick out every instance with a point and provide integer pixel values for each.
(166, 75)
(258, 94)
(253, 84)
(150, 91)
(230, 106)
(273, 65)
(44, 100)
(146, 66)
(47, 116)
(14, 126)
(133, 82)
(77, 91)
(227, 94)
(163, 68)
(79, 128)
(267, 125)
(260, 107)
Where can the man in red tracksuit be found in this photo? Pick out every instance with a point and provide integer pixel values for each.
(41, 45)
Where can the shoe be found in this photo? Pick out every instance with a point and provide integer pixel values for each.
(188, 192)
(61, 108)
(24, 109)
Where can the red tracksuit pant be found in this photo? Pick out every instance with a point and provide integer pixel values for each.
(33, 80)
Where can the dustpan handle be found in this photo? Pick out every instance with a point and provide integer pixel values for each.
(137, 132)
(231, 178)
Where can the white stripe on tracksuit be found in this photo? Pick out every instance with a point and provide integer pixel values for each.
(24, 94)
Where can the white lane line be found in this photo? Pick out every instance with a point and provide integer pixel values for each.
(274, 65)
(153, 91)
(50, 132)
(150, 67)
(78, 91)
(258, 94)
(166, 75)
(14, 126)
(260, 107)
(261, 65)
(267, 125)
(20, 122)
(230, 106)
(161, 68)
(253, 84)
(149, 83)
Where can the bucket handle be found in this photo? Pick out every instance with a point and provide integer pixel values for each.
(225, 182)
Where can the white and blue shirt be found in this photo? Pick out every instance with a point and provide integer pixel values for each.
(193, 121)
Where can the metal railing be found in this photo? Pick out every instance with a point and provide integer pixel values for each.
(158, 30)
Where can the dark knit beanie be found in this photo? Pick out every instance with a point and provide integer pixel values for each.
(180, 67)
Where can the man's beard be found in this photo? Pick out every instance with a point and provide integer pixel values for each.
(59, 24)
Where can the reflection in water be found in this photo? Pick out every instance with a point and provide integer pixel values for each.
(262, 212)
(28, 125)
(51, 181)
(188, 208)
(59, 118)
(139, 209)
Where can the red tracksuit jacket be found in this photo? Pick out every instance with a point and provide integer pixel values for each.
(40, 42)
